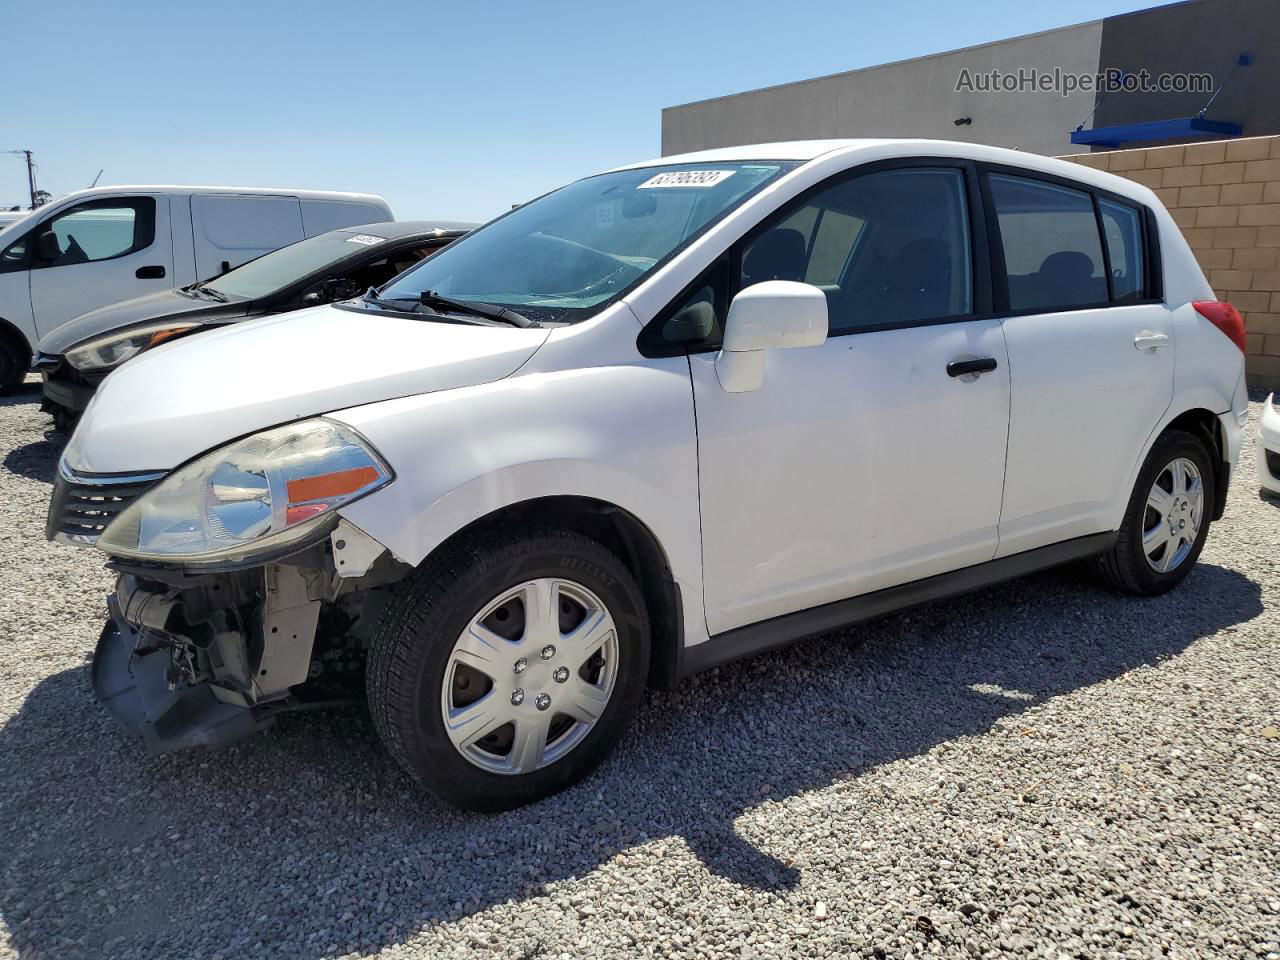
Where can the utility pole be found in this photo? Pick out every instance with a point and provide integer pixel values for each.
(31, 173)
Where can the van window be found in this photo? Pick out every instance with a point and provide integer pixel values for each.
(887, 248)
(1052, 251)
(1122, 227)
(96, 230)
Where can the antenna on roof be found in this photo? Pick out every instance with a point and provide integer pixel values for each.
(95, 180)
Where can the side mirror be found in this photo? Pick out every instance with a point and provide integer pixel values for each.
(772, 315)
(47, 246)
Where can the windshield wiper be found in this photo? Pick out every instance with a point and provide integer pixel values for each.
(398, 304)
(200, 290)
(429, 298)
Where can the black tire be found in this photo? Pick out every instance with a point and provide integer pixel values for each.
(14, 361)
(1125, 566)
(412, 642)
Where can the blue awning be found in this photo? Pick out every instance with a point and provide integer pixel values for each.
(1155, 130)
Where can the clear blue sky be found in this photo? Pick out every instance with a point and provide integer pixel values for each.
(452, 110)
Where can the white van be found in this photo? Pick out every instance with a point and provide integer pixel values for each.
(108, 244)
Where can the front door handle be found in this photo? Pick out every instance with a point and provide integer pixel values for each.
(155, 272)
(1146, 340)
(959, 368)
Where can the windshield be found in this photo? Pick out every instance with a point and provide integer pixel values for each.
(561, 257)
(271, 271)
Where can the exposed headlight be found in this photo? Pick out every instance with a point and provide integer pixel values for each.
(117, 347)
(265, 493)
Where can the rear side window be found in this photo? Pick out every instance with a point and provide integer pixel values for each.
(887, 248)
(1052, 250)
(1122, 229)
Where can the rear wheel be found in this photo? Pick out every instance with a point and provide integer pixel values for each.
(505, 668)
(1167, 519)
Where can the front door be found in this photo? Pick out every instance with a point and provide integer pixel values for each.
(99, 252)
(864, 462)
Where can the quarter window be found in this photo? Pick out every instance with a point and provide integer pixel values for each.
(1122, 227)
(96, 230)
(887, 248)
(1052, 251)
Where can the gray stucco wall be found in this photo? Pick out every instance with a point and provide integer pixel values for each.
(913, 98)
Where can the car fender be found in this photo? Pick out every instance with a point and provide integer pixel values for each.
(623, 434)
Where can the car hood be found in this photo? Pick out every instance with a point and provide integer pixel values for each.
(186, 397)
(166, 305)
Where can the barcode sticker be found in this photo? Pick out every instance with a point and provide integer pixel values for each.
(367, 239)
(686, 178)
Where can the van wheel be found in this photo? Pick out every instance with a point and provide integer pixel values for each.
(504, 669)
(1167, 520)
(14, 361)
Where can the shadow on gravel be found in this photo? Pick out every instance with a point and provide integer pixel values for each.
(37, 460)
(307, 841)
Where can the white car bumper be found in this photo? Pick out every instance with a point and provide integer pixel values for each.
(1269, 446)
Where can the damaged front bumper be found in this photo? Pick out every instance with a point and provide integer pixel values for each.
(204, 659)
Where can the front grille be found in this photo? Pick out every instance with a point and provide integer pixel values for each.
(84, 503)
(1273, 462)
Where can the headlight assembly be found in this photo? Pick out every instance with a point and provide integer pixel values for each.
(268, 492)
(115, 348)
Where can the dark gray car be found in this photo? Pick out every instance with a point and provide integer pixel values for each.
(77, 356)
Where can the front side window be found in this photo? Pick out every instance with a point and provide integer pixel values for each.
(1122, 227)
(562, 257)
(887, 248)
(96, 230)
(1052, 251)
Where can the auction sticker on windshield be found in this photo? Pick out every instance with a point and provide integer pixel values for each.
(365, 238)
(687, 178)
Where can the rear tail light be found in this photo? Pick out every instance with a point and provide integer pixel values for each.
(1225, 317)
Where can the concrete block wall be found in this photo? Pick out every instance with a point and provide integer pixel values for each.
(1225, 196)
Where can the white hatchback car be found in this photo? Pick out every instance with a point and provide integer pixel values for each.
(656, 420)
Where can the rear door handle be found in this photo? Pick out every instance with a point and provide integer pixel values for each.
(155, 272)
(1146, 340)
(958, 368)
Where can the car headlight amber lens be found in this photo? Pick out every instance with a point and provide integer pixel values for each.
(115, 348)
(269, 491)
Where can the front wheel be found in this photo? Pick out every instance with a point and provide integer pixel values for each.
(1167, 520)
(504, 669)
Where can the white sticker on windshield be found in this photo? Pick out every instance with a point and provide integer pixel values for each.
(365, 238)
(686, 178)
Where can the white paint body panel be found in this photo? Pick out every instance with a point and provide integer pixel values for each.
(1084, 402)
(185, 397)
(36, 301)
(855, 465)
(1268, 440)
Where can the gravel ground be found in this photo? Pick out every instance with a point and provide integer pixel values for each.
(1041, 769)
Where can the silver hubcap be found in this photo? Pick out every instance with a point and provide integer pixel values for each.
(530, 676)
(1175, 508)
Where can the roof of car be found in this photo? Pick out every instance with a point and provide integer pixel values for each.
(399, 229)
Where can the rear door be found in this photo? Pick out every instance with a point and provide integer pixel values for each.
(98, 252)
(230, 229)
(863, 462)
(1090, 352)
